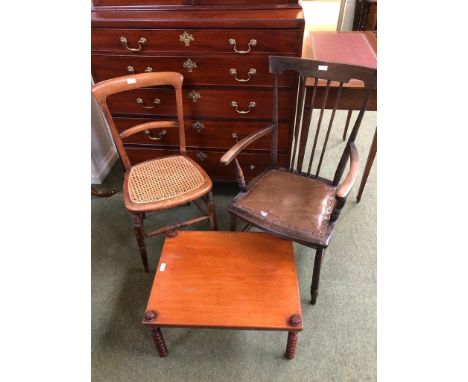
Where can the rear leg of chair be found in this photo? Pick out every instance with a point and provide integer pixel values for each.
(211, 210)
(137, 221)
(233, 224)
(316, 275)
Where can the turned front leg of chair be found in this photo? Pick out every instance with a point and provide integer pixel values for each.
(137, 221)
(239, 174)
(291, 345)
(316, 275)
(159, 341)
(211, 211)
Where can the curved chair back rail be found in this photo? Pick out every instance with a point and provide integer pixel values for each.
(135, 81)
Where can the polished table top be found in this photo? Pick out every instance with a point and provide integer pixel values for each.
(232, 280)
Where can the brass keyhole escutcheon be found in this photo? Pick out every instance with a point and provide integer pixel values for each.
(194, 96)
(201, 156)
(186, 38)
(189, 65)
(198, 126)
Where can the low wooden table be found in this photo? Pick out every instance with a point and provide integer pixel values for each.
(227, 280)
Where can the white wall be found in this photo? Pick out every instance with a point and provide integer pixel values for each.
(103, 152)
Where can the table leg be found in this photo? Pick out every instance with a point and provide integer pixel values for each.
(291, 346)
(159, 341)
(370, 161)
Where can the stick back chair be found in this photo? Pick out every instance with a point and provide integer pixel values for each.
(295, 203)
(161, 183)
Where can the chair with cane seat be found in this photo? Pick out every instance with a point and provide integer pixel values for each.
(160, 183)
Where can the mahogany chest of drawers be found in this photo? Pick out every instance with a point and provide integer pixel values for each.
(222, 49)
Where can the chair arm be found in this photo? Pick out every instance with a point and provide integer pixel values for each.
(232, 153)
(347, 184)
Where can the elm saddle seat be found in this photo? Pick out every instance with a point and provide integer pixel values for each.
(293, 206)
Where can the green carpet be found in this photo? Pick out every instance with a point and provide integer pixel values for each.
(339, 338)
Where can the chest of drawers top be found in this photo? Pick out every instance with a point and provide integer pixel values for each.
(289, 18)
(188, 3)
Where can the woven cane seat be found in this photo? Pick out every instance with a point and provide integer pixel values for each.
(163, 179)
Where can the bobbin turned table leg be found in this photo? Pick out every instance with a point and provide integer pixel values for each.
(295, 320)
(159, 341)
(291, 346)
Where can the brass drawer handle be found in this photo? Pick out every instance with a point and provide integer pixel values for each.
(194, 96)
(235, 136)
(141, 43)
(233, 72)
(201, 156)
(161, 134)
(131, 69)
(251, 107)
(189, 65)
(233, 43)
(186, 38)
(156, 101)
(198, 126)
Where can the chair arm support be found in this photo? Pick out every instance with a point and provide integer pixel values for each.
(347, 184)
(232, 153)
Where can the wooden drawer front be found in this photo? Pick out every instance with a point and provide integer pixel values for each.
(206, 134)
(204, 40)
(196, 70)
(212, 102)
(252, 163)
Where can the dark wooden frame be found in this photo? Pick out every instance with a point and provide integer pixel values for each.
(331, 72)
(120, 84)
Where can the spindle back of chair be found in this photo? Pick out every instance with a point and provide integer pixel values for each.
(120, 84)
(328, 81)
